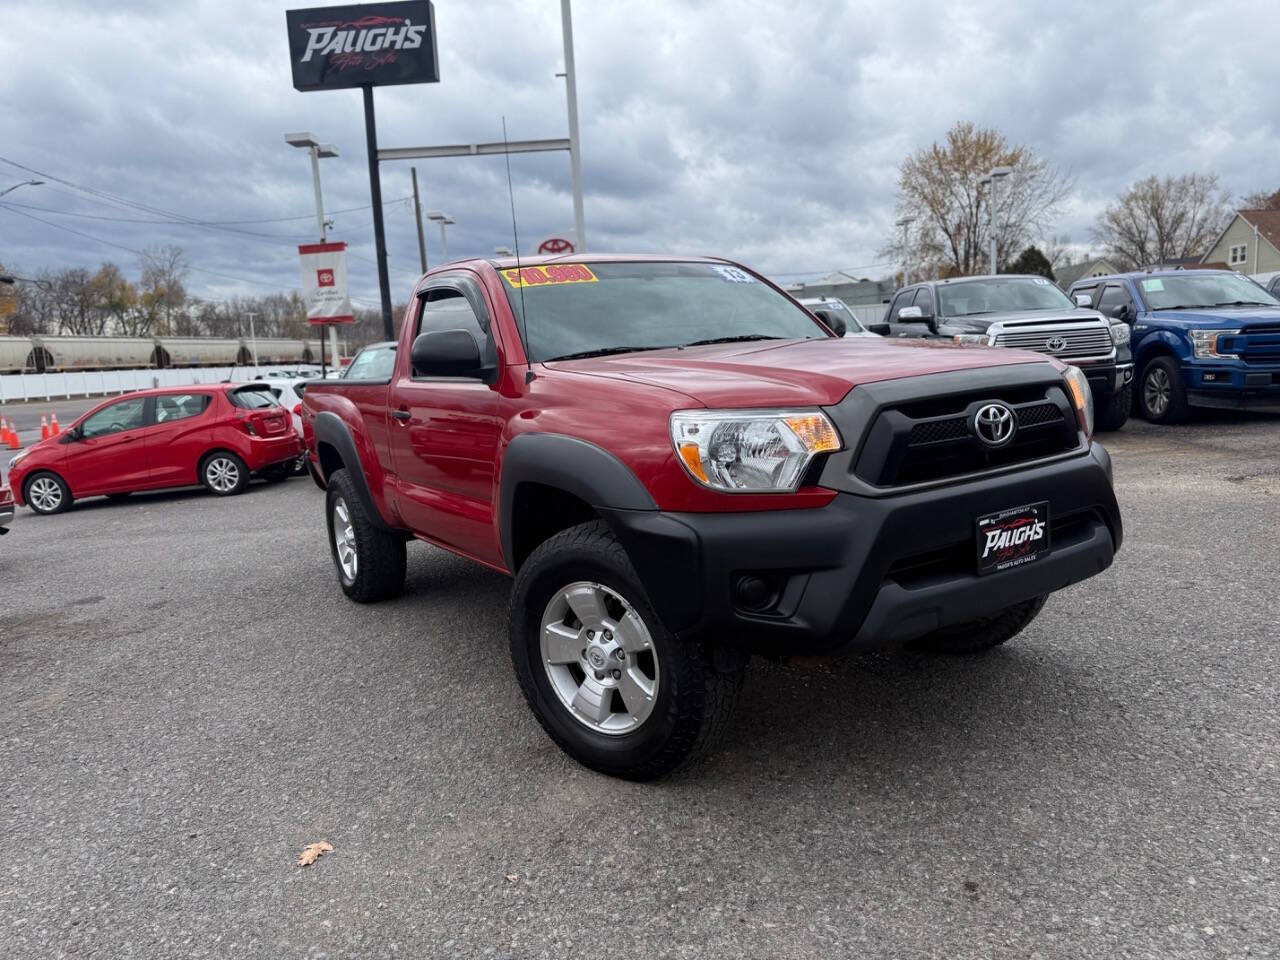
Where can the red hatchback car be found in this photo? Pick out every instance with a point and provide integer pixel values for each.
(214, 435)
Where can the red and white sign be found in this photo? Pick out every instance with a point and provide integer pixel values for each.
(555, 245)
(324, 283)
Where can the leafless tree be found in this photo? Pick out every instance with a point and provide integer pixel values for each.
(162, 294)
(1163, 218)
(941, 187)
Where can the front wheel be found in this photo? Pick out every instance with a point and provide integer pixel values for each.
(608, 682)
(983, 633)
(1162, 398)
(46, 493)
(1115, 412)
(370, 561)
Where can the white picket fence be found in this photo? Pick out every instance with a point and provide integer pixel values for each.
(19, 387)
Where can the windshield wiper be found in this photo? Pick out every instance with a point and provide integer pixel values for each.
(742, 338)
(602, 352)
(1242, 303)
(1188, 306)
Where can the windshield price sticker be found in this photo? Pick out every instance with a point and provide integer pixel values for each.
(1154, 285)
(734, 275)
(551, 275)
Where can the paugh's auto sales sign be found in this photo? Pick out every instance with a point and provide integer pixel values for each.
(368, 44)
(324, 283)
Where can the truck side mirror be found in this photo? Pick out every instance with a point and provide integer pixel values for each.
(1083, 299)
(447, 353)
(834, 321)
(880, 329)
(1120, 312)
(911, 315)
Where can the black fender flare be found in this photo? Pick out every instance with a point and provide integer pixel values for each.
(330, 429)
(663, 551)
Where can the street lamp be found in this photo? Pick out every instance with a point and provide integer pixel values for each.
(317, 150)
(996, 173)
(905, 225)
(502, 251)
(24, 183)
(444, 220)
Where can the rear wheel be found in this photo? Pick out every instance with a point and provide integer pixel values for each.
(1115, 412)
(224, 473)
(1161, 395)
(608, 682)
(47, 493)
(370, 561)
(974, 636)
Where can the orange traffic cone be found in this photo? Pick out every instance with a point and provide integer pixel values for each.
(4, 433)
(13, 437)
(44, 427)
(53, 425)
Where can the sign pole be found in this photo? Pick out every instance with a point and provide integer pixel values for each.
(379, 231)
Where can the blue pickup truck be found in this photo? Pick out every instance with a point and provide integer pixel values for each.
(1206, 338)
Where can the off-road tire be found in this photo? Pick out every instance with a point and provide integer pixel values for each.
(698, 685)
(1177, 409)
(974, 636)
(64, 501)
(206, 465)
(1115, 413)
(380, 554)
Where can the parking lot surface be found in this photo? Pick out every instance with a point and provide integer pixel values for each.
(187, 700)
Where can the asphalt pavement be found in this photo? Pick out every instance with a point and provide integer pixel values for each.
(187, 700)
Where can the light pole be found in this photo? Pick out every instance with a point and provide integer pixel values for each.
(24, 183)
(502, 251)
(905, 225)
(253, 339)
(571, 98)
(997, 173)
(317, 151)
(444, 220)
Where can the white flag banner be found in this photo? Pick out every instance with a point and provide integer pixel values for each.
(324, 283)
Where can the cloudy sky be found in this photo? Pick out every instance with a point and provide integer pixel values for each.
(765, 131)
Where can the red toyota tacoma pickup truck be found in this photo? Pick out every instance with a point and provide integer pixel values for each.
(680, 466)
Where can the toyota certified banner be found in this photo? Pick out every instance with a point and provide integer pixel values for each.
(367, 44)
(324, 283)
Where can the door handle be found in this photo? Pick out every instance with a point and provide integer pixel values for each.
(402, 415)
(128, 439)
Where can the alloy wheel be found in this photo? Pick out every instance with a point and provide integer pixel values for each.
(222, 474)
(45, 494)
(344, 539)
(1156, 391)
(599, 656)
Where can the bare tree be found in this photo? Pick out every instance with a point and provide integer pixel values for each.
(941, 187)
(1160, 219)
(162, 293)
(1262, 200)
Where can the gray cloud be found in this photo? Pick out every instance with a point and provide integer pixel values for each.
(770, 132)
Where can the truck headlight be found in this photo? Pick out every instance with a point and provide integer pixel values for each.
(972, 339)
(1120, 333)
(1205, 343)
(1081, 398)
(756, 451)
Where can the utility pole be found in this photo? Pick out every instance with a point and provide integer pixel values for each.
(571, 95)
(905, 224)
(253, 340)
(996, 174)
(417, 214)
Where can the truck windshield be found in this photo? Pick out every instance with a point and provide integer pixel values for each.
(1000, 295)
(592, 309)
(1203, 290)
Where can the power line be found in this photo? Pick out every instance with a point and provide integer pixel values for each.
(92, 216)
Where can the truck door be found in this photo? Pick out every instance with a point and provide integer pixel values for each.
(445, 430)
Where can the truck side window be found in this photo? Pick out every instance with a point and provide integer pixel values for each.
(1115, 295)
(924, 300)
(901, 300)
(445, 308)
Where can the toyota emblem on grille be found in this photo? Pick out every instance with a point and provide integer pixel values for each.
(1056, 344)
(994, 424)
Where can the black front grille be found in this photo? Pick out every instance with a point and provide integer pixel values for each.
(919, 442)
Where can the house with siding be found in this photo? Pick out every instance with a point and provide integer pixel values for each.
(1249, 244)
(1097, 267)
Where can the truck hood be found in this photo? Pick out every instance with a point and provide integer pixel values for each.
(1216, 317)
(980, 324)
(790, 372)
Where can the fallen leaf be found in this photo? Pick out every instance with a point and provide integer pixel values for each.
(313, 851)
(512, 877)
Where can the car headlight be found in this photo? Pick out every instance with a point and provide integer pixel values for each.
(13, 462)
(757, 451)
(1205, 343)
(972, 339)
(1081, 398)
(1120, 333)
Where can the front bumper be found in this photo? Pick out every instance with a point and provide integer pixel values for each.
(1233, 385)
(1108, 379)
(867, 572)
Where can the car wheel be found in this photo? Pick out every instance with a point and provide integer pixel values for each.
(974, 636)
(1115, 413)
(370, 561)
(1161, 396)
(46, 493)
(608, 682)
(224, 473)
